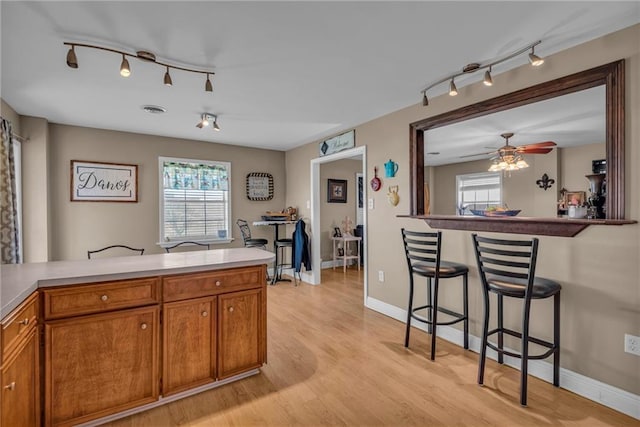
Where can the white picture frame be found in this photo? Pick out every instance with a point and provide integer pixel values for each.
(103, 182)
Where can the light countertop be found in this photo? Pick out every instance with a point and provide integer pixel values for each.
(18, 281)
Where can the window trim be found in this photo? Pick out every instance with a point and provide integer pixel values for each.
(471, 176)
(213, 241)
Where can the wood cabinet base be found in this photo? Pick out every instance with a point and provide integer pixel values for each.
(168, 399)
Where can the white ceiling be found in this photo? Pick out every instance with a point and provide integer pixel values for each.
(287, 73)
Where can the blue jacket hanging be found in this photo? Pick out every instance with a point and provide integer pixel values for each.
(300, 252)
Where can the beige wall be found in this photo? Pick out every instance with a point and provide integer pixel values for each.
(79, 226)
(598, 269)
(9, 113)
(332, 214)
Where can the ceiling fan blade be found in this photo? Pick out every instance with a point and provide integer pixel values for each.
(526, 150)
(540, 144)
(476, 155)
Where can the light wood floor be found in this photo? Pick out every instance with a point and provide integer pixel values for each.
(333, 362)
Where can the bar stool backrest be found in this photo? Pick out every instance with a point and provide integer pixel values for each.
(422, 247)
(189, 243)
(110, 249)
(244, 229)
(506, 258)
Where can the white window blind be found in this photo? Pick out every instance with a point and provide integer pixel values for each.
(478, 191)
(195, 200)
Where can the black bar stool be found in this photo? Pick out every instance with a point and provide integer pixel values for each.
(423, 258)
(507, 268)
(280, 246)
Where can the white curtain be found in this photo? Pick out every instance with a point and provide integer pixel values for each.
(9, 219)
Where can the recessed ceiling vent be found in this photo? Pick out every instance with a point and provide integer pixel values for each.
(154, 109)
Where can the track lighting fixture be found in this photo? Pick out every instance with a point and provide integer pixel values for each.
(453, 90)
(167, 78)
(208, 119)
(125, 69)
(488, 81)
(534, 59)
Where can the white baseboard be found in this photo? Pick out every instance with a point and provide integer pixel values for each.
(605, 394)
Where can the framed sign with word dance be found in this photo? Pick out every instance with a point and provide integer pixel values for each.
(103, 182)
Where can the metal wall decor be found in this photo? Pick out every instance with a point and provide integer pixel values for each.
(259, 186)
(545, 182)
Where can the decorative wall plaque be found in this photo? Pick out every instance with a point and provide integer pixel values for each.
(103, 182)
(259, 186)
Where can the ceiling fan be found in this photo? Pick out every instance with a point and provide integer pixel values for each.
(511, 152)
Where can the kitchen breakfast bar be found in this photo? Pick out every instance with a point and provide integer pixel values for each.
(85, 342)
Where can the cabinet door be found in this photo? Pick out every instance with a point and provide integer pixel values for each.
(100, 364)
(239, 332)
(20, 398)
(189, 344)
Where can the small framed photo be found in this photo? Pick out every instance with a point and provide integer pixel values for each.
(575, 198)
(337, 232)
(336, 190)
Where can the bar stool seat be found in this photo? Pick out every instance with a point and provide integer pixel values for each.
(511, 287)
(423, 259)
(280, 246)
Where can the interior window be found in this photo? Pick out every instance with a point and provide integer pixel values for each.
(195, 200)
(478, 191)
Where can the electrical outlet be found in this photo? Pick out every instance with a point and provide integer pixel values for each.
(308, 204)
(371, 204)
(632, 344)
(380, 276)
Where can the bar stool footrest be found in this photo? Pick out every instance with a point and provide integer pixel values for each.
(552, 348)
(458, 317)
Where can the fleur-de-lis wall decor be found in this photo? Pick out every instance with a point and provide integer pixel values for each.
(545, 182)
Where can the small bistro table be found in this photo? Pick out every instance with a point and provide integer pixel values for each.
(345, 246)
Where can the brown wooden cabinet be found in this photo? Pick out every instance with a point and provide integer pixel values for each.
(20, 398)
(189, 344)
(100, 364)
(20, 366)
(239, 332)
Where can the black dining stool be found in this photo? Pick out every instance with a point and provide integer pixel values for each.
(423, 258)
(507, 268)
(280, 246)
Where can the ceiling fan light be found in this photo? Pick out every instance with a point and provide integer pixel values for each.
(488, 81)
(453, 90)
(494, 167)
(125, 70)
(72, 60)
(167, 78)
(534, 59)
(208, 86)
(521, 164)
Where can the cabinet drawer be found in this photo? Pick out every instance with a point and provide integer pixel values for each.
(16, 326)
(212, 282)
(94, 298)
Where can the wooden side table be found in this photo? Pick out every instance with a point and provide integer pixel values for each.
(345, 246)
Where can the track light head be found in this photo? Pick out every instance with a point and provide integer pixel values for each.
(488, 81)
(208, 119)
(167, 78)
(534, 59)
(215, 125)
(208, 86)
(453, 90)
(125, 70)
(425, 100)
(72, 61)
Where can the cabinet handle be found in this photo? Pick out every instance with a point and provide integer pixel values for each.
(205, 314)
(143, 326)
(11, 386)
(24, 322)
(218, 283)
(231, 309)
(104, 297)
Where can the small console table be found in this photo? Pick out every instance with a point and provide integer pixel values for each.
(345, 246)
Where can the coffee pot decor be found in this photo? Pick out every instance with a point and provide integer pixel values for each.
(597, 199)
(392, 195)
(390, 169)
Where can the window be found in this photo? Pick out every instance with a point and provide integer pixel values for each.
(478, 191)
(195, 200)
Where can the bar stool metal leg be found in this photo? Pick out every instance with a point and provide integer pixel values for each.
(500, 328)
(409, 312)
(556, 339)
(434, 320)
(465, 309)
(429, 302)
